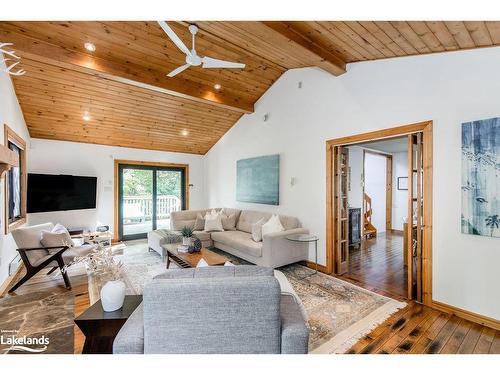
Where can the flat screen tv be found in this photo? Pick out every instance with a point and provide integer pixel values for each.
(49, 192)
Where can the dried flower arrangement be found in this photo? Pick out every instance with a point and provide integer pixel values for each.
(99, 261)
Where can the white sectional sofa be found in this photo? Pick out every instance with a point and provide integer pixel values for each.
(273, 251)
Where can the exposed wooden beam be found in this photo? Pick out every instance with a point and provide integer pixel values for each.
(318, 56)
(124, 72)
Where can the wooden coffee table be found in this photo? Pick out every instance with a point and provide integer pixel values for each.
(187, 260)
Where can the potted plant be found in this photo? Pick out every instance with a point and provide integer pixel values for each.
(101, 262)
(187, 236)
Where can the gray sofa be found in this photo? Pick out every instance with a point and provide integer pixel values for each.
(273, 251)
(215, 310)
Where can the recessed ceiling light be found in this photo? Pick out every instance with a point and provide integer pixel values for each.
(217, 86)
(86, 116)
(89, 46)
(184, 132)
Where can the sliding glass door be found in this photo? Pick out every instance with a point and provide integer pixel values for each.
(147, 196)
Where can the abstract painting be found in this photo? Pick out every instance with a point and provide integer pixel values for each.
(258, 180)
(481, 177)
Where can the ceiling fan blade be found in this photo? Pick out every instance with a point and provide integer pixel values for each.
(173, 36)
(178, 70)
(209, 62)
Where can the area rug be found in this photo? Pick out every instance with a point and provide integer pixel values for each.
(339, 313)
(42, 321)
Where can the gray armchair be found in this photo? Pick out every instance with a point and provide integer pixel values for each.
(36, 257)
(215, 310)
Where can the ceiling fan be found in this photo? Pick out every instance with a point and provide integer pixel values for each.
(192, 58)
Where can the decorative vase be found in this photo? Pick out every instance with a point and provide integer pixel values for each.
(196, 245)
(186, 241)
(113, 295)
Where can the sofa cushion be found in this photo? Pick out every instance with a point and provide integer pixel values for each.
(231, 211)
(199, 223)
(239, 240)
(29, 237)
(289, 222)
(217, 271)
(77, 251)
(229, 222)
(181, 219)
(179, 224)
(52, 239)
(249, 217)
(202, 235)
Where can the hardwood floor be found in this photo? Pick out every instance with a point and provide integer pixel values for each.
(378, 266)
(379, 263)
(416, 329)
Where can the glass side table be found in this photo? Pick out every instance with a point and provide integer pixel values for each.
(307, 238)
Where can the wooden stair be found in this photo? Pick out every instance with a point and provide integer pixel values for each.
(369, 229)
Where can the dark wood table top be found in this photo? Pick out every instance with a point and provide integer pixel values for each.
(95, 312)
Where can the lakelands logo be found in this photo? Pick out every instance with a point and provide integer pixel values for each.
(23, 343)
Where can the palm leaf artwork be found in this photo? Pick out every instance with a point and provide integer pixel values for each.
(480, 185)
(492, 222)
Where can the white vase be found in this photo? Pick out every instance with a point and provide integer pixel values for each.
(186, 241)
(112, 295)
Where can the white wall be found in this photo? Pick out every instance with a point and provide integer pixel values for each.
(58, 157)
(376, 188)
(355, 194)
(399, 197)
(10, 115)
(447, 88)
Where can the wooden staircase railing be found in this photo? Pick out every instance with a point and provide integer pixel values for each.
(369, 229)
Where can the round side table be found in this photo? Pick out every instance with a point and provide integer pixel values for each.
(307, 238)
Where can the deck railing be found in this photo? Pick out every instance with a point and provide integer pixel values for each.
(140, 208)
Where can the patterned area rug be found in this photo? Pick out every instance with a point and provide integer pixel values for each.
(339, 313)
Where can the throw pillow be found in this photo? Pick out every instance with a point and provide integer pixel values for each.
(51, 239)
(202, 263)
(272, 226)
(214, 212)
(257, 230)
(213, 223)
(59, 228)
(199, 223)
(229, 222)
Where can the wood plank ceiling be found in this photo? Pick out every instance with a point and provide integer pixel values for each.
(131, 102)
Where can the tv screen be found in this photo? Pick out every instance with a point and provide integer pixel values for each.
(49, 192)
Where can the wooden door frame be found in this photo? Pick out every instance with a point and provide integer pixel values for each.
(388, 185)
(116, 202)
(426, 128)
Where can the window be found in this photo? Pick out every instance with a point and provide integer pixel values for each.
(14, 187)
(15, 183)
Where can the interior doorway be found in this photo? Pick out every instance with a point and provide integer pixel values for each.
(145, 196)
(379, 211)
(377, 206)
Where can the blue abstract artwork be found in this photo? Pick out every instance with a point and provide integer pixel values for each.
(258, 180)
(481, 177)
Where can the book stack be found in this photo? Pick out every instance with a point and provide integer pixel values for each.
(182, 248)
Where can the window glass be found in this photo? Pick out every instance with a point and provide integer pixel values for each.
(15, 187)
